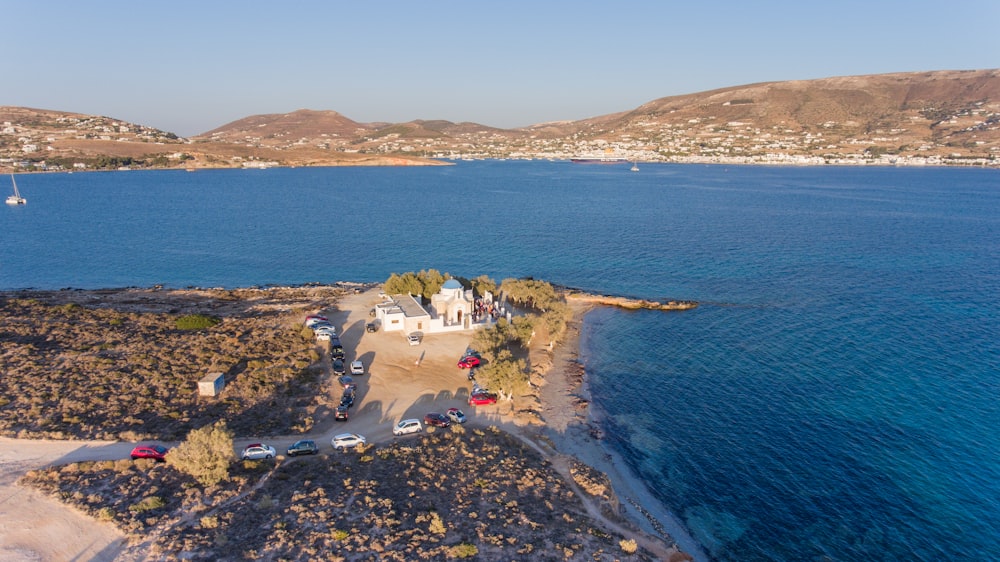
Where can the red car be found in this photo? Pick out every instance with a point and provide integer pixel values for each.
(157, 452)
(468, 362)
(436, 419)
(483, 399)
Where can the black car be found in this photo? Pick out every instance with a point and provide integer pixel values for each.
(347, 400)
(341, 414)
(304, 447)
(371, 327)
(338, 366)
(337, 352)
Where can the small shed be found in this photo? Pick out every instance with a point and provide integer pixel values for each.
(211, 384)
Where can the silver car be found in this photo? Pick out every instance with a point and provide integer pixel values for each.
(347, 441)
(258, 451)
(407, 426)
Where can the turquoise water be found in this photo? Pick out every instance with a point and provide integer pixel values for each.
(833, 398)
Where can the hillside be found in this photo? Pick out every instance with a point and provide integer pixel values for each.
(939, 117)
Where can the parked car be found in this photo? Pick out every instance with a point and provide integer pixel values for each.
(347, 399)
(436, 419)
(337, 352)
(413, 338)
(407, 426)
(482, 399)
(258, 451)
(315, 319)
(322, 336)
(346, 381)
(338, 366)
(321, 325)
(341, 413)
(347, 441)
(303, 447)
(371, 327)
(329, 331)
(468, 362)
(455, 415)
(156, 452)
(357, 367)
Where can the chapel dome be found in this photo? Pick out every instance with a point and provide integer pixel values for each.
(452, 284)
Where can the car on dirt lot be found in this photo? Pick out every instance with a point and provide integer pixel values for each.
(413, 338)
(468, 362)
(347, 399)
(258, 451)
(346, 381)
(337, 351)
(303, 447)
(436, 419)
(341, 413)
(407, 426)
(357, 367)
(482, 399)
(371, 327)
(347, 441)
(315, 319)
(338, 366)
(455, 415)
(156, 452)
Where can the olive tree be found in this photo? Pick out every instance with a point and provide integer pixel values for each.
(205, 454)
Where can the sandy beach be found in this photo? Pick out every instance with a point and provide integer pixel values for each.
(402, 381)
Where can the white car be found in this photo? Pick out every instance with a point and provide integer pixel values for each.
(347, 441)
(258, 451)
(313, 320)
(328, 330)
(413, 338)
(357, 367)
(455, 415)
(407, 426)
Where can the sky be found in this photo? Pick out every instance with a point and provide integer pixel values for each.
(191, 66)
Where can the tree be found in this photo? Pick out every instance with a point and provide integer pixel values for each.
(431, 279)
(205, 454)
(484, 284)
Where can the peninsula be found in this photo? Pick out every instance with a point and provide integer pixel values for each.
(523, 478)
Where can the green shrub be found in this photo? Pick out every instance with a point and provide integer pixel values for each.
(147, 503)
(196, 322)
(205, 454)
(464, 550)
(628, 546)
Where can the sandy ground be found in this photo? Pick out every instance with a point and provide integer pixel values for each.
(401, 381)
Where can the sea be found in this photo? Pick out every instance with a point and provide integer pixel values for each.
(834, 396)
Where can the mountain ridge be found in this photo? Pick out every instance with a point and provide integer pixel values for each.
(931, 117)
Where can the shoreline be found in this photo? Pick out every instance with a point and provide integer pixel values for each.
(572, 424)
(566, 429)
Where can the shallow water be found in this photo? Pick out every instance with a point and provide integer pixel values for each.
(834, 396)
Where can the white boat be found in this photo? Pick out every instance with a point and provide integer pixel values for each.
(15, 199)
(635, 167)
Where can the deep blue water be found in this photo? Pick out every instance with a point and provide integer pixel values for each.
(833, 398)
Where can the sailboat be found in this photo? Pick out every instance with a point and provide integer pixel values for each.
(635, 166)
(15, 199)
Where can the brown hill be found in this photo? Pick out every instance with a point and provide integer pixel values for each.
(294, 125)
(940, 117)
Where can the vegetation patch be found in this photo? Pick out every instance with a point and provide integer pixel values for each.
(480, 495)
(112, 365)
(196, 322)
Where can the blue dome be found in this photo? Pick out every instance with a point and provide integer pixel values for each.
(451, 284)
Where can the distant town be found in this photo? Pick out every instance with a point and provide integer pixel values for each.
(913, 119)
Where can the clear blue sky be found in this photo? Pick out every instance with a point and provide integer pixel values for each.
(188, 67)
